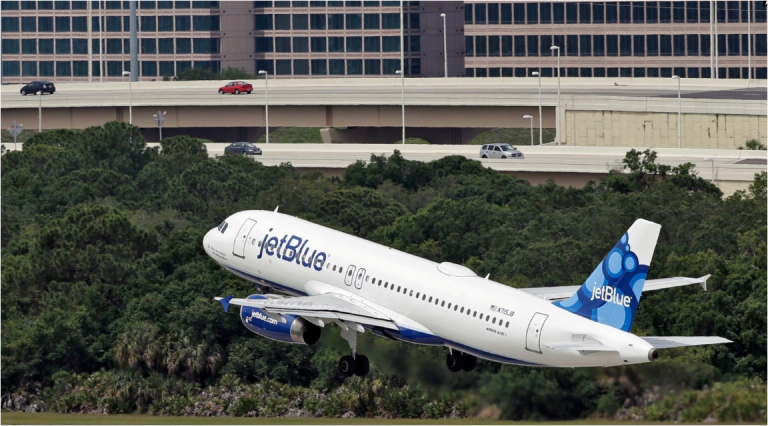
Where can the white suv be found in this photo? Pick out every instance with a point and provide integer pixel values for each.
(500, 150)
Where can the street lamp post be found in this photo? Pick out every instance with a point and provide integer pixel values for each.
(40, 111)
(402, 94)
(531, 118)
(266, 99)
(713, 167)
(541, 138)
(559, 105)
(445, 46)
(130, 100)
(679, 113)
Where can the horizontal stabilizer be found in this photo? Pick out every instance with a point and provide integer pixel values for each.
(580, 342)
(664, 342)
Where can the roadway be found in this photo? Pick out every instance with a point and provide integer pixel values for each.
(731, 172)
(453, 91)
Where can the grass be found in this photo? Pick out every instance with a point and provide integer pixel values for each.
(518, 136)
(293, 135)
(137, 419)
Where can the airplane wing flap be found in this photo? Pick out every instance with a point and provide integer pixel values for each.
(580, 343)
(664, 342)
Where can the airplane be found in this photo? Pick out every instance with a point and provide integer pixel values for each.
(332, 277)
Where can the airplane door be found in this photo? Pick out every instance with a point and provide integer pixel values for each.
(241, 239)
(350, 277)
(533, 336)
(359, 279)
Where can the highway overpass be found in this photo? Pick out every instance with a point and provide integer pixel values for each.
(610, 112)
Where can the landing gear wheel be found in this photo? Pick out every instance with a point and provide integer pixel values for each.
(454, 362)
(347, 366)
(237, 92)
(469, 362)
(363, 366)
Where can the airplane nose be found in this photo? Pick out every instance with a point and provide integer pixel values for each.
(207, 242)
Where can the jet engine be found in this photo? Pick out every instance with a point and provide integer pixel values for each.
(293, 330)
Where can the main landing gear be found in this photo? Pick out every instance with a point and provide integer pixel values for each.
(354, 364)
(457, 361)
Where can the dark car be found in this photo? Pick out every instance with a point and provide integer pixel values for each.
(243, 148)
(36, 86)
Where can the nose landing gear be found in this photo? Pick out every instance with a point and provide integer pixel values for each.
(457, 361)
(354, 364)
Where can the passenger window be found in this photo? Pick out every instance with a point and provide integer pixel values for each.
(367, 277)
(385, 285)
(417, 295)
(481, 316)
(334, 268)
(340, 269)
(485, 147)
(449, 306)
(474, 314)
(379, 282)
(494, 320)
(462, 309)
(430, 299)
(443, 304)
(411, 294)
(496, 148)
(455, 307)
(507, 324)
(259, 243)
(398, 289)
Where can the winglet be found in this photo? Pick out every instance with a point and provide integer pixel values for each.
(224, 301)
(704, 281)
(276, 208)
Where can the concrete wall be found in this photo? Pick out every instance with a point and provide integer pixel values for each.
(659, 129)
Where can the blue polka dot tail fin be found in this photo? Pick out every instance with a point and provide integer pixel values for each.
(612, 292)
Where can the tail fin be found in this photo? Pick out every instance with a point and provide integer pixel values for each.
(611, 294)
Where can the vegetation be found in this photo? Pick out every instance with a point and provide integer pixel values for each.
(753, 144)
(106, 289)
(513, 136)
(293, 135)
(193, 74)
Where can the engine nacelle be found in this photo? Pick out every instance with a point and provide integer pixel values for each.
(293, 330)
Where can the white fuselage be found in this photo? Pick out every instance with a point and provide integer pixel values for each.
(441, 304)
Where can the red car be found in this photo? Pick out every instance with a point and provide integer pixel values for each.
(236, 87)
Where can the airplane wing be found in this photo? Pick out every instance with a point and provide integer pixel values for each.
(664, 342)
(319, 310)
(580, 342)
(561, 293)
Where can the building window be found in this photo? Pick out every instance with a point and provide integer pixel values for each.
(283, 67)
(416, 66)
(301, 44)
(183, 46)
(585, 15)
(533, 45)
(10, 24)
(62, 24)
(625, 12)
(639, 45)
(506, 45)
(80, 46)
(29, 47)
(704, 11)
(665, 12)
(481, 46)
(480, 72)
(733, 45)
(571, 13)
(652, 44)
(693, 45)
(678, 12)
(519, 45)
(480, 14)
(148, 23)
(372, 67)
(625, 44)
(494, 46)
(692, 12)
(63, 69)
(79, 24)
(11, 68)
(679, 45)
(545, 14)
(207, 45)
(28, 24)
(45, 5)
(46, 46)
(760, 44)
(665, 43)
(415, 21)
(693, 73)
(599, 45)
(164, 5)
(206, 23)
(149, 46)
(264, 65)
(611, 13)
(371, 21)
(335, 21)
(165, 46)
(638, 14)
(261, 22)
(165, 23)
(319, 45)
(468, 14)
(506, 13)
(585, 45)
(9, 5)
(469, 46)
(146, 5)
(182, 66)
(493, 13)
(721, 47)
(11, 46)
(283, 22)
(651, 12)
(354, 21)
(390, 44)
(599, 72)
(532, 15)
(45, 24)
(572, 45)
(184, 23)
(519, 13)
(354, 44)
(317, 21)
(300, 22)
(46, 68)
(63, 46)
(355, 67)
(29, 68)
(390, 66)
(598, 13)
(283, 44)
(166, 67)
(706, 48)
(114, 46)
(390, 21)
(415, 44)
(300, 67)
(149, 68)
(263, 45)
(319, 67)
(114, 24)
(612, 41)
(372, 44)
(558, 13)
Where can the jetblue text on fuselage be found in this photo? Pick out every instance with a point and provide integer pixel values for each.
(609, 294)
(290, 249)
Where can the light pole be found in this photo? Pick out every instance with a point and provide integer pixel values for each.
(445, 46)
(402, 94)
(559, 105)
(679, 113)
(266, 100)
(531, 118)
(40, 111)
(130, 100)
(713, 167)
(541, 138)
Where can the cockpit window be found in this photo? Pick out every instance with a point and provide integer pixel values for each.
(223, 227)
